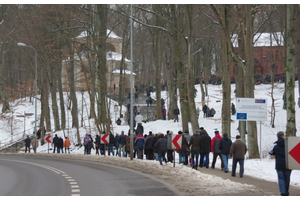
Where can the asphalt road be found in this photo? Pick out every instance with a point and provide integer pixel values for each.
(35, 176)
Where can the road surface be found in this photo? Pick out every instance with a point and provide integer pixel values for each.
(38, 176)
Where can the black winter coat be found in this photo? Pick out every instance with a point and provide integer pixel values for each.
(205, 143)
(27, 142)
(161, 145)
(149, 143)
(225, 145)
(279, 153)
(55, 140)
(112, 139)
(60, 143)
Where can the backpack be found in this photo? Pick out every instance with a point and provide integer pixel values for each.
(86, 140)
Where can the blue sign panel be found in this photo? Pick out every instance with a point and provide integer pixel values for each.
(241, 116)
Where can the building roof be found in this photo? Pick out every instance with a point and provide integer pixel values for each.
(117, 71)
(263, 39)
(109, 34)
(114, 56)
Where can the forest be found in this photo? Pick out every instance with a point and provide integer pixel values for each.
(177, 45)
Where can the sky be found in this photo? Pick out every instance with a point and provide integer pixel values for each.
(263, 168)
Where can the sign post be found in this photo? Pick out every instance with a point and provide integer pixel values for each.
(49, 139)
(292, 149)
(251, 109)
(104, 139)
(174, 142)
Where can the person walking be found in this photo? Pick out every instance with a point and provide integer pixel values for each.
(54, 142)
(195, 142)
(136, 97)
(60, 145)
(233, 109)
(86, 140)
(176, 113)
(238, 150)
(164, 113)
(127, 146)
(224, 146)
(27, 144)
(139, 119)
(161, 147)
(139, 143)
(204, 149)
(182, 151)
(111, 144)
(188, 151)
(67, 145)
(97, 144)
(117, 143)
(34, 143)
(149, 143)
(283, 174)
(214, 147)
(204, 109)
(122, 144)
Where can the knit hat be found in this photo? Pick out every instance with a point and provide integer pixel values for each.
(237, 137)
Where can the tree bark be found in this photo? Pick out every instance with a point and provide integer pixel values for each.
(290, 71)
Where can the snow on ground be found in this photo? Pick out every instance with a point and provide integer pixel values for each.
(263, 168)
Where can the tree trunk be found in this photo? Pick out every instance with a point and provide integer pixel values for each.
(226, 84)
(249, 77)
(290, 71)
(190, 75)
(102, 70)
(181, 76)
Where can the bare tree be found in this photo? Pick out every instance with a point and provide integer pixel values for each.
(290, 70)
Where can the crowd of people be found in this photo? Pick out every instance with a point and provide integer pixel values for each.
(194, 150)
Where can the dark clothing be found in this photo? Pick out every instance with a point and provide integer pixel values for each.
(176, 113)
(60, 145)
(118, 121)
(204, 109)
(122, 139)
(233, 109)
(279, 152)
(195, 142)
(140, 129)
(161, 145)
(205, 141)
(55, 142)
(27, 144)
(216, 150)
(238, 150)
(97, 144)
(112, 139)
(149, 143)
(204, 149)
(184, 145)
(283, 173)
(225, 145)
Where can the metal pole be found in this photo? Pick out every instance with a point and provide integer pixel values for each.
(131, 86)
(35, 90)
(35, 99)
(82, 108)
(24, 123)
(260, 140)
